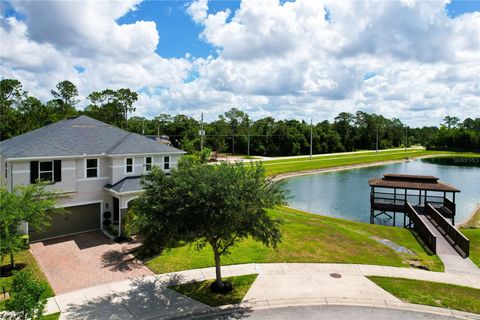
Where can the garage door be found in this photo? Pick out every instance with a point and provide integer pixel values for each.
(74, 220)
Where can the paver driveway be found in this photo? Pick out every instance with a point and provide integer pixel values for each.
(84, 260)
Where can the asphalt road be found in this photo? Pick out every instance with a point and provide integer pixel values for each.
(328, 313)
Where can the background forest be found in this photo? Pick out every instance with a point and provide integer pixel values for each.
(234, 131)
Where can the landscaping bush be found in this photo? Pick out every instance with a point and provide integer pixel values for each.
(9, 315)
(128, 224)
(26, 299)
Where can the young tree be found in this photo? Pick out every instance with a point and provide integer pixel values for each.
(27, 300)
(216, 205)
(30, 203)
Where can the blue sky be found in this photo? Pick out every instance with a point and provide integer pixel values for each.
(179, 34)
(415, 60)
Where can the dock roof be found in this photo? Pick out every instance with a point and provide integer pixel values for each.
(412, 182)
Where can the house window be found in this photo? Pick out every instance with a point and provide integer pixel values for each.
(148, 164)
(166, 162)
(6, 170)
(92, 168)
(45, 170)
(129, 165)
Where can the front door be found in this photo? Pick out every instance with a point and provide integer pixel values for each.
(116, 210)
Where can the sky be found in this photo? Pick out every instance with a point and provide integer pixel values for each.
(414, 60)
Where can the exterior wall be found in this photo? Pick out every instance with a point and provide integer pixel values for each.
(20, 175)
(76, 189)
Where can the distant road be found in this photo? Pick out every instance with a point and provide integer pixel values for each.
(329, 313)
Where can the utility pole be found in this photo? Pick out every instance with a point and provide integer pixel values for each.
(311, 138)
(376, 146)
(143, 127)
(248, 141)
(158, 131)
(201, 132)
(406, 138)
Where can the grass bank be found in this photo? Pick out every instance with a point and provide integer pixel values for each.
(200, 291)
(471, 229)
(432, 293)
(474, 236)
(23, 259)
(310, 238)
(275, 167)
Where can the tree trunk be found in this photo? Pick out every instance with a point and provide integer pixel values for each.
(12, 261)
(218, 272)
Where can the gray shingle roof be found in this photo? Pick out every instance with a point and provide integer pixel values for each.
(81, 135)
(126, 185)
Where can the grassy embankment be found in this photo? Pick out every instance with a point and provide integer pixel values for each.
(201, 290)
(432, 293)
(23, 259)
(309, 238)
(472, 231)
(275, 167)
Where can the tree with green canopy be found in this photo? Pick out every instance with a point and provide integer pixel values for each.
(65, 98)
(30, 203)
(27, 300)
(216, 205)
(112, 106)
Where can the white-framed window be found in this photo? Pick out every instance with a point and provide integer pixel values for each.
(148, 164)
(128, 165)
(6, 170)
(91, 168)
(166, 162)
(45, 170)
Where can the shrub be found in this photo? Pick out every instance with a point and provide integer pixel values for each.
(26, 299)
(128, 224)
(9, 315)
(107, 215)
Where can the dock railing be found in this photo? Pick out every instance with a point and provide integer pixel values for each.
(421, 228)
(458, 241)
(447, 203)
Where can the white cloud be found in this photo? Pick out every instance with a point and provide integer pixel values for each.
(274, 59)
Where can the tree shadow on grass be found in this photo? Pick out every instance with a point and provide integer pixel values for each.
(144, 298)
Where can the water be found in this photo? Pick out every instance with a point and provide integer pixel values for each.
(346, 194)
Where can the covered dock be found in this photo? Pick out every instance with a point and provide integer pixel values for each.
(426, 205)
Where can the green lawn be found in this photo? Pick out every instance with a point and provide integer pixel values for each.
(24, 258)
(309, 238)
(201, 290)
(274, 167)
(432, 293)
(474, 236)
(53, 316)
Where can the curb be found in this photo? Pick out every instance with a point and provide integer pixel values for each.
(249, 306)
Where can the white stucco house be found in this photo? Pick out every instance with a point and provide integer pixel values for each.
(93, 166)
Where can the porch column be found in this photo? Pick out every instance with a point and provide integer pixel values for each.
(120, 217)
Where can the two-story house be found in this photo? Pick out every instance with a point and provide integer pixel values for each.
(93, 166)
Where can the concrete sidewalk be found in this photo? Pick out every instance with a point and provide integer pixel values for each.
(277, 284)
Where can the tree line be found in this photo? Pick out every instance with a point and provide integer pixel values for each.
(234, 131)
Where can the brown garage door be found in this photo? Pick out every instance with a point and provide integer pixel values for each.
(74, 220)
